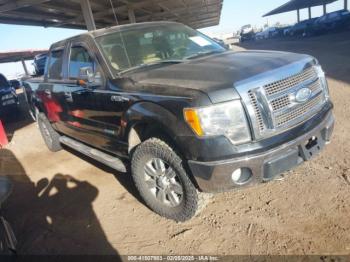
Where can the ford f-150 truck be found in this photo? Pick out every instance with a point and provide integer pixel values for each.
(189, 116)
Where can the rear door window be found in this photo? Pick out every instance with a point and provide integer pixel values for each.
(55, 64)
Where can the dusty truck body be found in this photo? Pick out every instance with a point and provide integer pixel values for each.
(188, 115)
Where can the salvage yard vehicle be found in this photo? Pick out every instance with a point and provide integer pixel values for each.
(188, 115)
(247, 33)
(332, 21)
(303, 28)
(8, 97)
(269, 32)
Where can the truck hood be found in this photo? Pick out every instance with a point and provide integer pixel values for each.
(216, 75)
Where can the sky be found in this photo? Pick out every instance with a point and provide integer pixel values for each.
(235, 14)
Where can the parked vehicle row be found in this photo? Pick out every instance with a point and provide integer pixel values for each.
(330, 22)
(338, 20)
(247, 33)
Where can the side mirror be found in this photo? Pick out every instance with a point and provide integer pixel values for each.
(86, 74)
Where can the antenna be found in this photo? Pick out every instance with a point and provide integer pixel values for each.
(120, 33)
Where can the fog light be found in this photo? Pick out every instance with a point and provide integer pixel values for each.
(236, 175)
(241, 176)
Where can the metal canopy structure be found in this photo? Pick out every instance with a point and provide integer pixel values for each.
(294, 5)
(91, 14)
(21, 55)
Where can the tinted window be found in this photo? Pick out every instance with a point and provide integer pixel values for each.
(79, 58)
(55, 66)
(3, 82)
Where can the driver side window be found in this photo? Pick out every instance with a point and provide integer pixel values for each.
(80, 58)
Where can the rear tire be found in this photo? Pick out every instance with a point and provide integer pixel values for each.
(50, 136)
(162, 181)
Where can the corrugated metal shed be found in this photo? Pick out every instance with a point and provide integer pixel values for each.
(68, 13)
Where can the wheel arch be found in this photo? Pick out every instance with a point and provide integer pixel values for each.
(145, 120)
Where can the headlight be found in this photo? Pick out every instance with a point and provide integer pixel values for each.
(322, 77)
(226, 119)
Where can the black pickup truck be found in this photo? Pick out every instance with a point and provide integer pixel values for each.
(189, 116)
(8, 97)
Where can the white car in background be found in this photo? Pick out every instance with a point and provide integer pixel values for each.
(259, 36)
(267, 33)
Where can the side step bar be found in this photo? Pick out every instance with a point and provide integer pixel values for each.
(108, 160)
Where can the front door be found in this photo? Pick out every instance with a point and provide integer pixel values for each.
(85, 98)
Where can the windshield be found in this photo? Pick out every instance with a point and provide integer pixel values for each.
(155, 44)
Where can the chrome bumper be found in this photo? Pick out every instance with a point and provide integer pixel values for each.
(216, 176)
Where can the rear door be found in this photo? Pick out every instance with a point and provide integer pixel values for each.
(49, 91)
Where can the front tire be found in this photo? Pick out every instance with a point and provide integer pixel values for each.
(162, 181)
(50, 136)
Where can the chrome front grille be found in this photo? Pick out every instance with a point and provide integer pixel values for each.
(281, 102)
(275, 107)
(293, 113)
(289, 82)
(257, 112)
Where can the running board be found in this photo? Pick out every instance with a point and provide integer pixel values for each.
(108, 160)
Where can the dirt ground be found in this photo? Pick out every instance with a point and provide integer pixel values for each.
(65, 204)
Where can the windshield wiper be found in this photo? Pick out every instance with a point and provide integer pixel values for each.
(200, 54)
(152, 64)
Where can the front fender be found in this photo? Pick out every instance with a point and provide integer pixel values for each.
(150, 113)
(153, 114)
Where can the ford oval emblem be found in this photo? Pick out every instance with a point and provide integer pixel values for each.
(303, 95)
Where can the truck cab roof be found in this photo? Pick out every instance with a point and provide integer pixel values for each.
(112, 29)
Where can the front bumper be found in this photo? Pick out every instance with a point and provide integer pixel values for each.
(217, 176)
